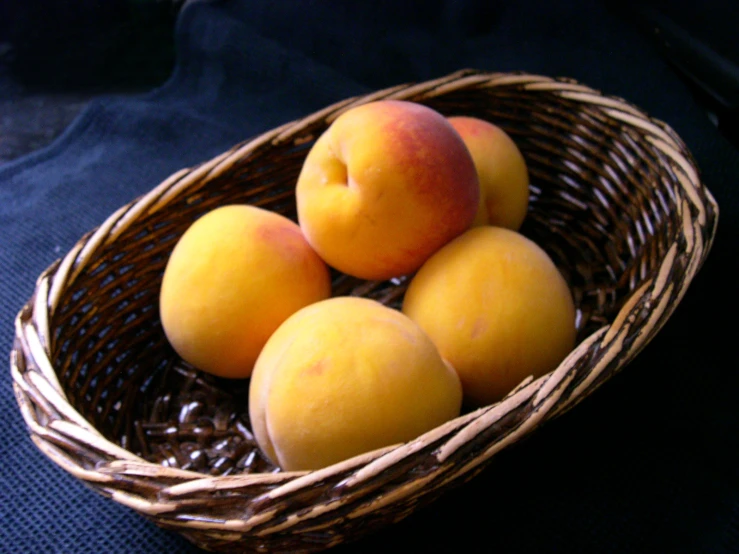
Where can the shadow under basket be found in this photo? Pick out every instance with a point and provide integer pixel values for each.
(616, 201)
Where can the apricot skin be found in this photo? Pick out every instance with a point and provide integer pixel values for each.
(501, 171)
(233, 277)
(497, 308)
(343, 377)
(385, 186)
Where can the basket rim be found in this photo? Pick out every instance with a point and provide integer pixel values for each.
(52, 421)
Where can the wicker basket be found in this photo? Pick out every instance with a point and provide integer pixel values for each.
(615, 199)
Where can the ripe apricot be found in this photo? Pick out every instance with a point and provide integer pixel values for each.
(233, 277)
(345, 376)
(497, 308)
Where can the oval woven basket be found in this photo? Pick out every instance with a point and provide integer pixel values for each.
(616, 200)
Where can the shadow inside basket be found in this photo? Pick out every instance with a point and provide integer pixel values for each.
(589, 209)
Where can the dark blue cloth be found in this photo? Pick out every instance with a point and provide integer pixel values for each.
(647, 464)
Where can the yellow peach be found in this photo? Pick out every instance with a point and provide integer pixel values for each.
(385, 186)
(346, 376)
(233, 277)
(501, 170)
(497, 308)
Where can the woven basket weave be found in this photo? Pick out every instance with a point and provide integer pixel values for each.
(616, 200)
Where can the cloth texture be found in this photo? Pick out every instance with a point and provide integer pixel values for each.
(647, 464)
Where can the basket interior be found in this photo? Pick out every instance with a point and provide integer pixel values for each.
(601, 205)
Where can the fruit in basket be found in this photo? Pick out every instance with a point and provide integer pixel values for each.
(501, 170)
(343, 377)
(497, 308)
(385, 186)
(233, 277)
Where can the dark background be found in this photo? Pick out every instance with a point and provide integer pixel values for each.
(100, 101)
